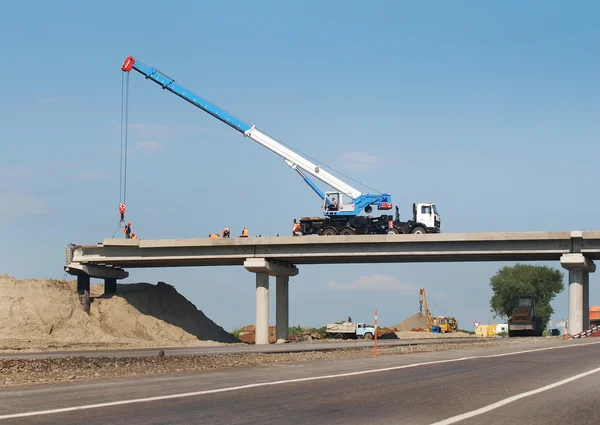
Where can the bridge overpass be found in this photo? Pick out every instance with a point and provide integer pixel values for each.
(280, 256)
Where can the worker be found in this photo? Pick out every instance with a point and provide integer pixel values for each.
(333, 206)
(226, 233)
(244, 233)
(213, 235)
(295, 228)
(133, 235)
(127, 230)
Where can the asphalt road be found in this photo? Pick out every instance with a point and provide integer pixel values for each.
(238, 348)
(451, 383)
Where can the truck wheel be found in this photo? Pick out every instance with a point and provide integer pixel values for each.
(392, 231)
(418, 231)
(346, 231)
(368, 335)
(339, 336)
(329, 231)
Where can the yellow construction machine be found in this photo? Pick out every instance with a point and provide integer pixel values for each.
(439, 324)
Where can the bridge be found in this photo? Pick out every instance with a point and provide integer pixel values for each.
(280, 256)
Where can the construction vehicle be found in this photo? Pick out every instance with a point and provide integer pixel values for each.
(439, 324)
(523, 321)
(349, 330)
(341, 207)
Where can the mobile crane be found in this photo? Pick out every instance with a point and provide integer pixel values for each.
(341, 207)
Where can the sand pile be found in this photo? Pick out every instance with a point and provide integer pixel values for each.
(415, 321)
(48, 310)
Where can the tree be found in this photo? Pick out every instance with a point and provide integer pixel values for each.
(523, 280)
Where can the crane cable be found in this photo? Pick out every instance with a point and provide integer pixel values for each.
(123, 157)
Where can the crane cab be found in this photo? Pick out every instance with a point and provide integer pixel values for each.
(335, 203)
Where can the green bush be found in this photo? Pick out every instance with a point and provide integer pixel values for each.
(295, 330)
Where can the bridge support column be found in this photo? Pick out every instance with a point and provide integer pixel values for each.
(262, 308)
(579, 268)
(263, 269)
(110, 285)
(282, 313)
(83, 291)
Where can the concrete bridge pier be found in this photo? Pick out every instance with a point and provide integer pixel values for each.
(579, 268)
(263, 269)
(84, 272)
(110, 285)
(83, 291)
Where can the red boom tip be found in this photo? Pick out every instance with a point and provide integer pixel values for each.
(128, 64)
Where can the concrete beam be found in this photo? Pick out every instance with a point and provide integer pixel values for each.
(282, 316)
(272, 268)
(262, 309)
(99, 272)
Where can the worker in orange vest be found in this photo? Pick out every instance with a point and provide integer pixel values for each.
(133, 235)
(127, 230)
(226, 233)
(295, 228)
(244, 233)
(213, 236)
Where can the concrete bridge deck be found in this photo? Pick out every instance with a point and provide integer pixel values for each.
(279, 256)
(448, 247)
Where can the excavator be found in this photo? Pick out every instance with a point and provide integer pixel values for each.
(341, 206)
(439, 324)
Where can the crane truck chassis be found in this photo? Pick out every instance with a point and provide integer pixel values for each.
(366, 225)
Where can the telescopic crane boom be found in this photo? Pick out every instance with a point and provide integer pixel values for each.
(357, 201)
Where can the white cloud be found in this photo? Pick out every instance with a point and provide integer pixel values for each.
(22, 172)
(18, 205)
(361, 161)
(147, 146)
(374, 283)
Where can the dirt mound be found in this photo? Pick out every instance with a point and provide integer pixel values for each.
(386, 333)
(48, 310)
(247, 334)
(416, 321)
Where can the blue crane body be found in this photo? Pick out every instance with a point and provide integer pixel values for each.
(338, 214)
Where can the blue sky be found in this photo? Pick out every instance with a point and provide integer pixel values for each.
(488, 109)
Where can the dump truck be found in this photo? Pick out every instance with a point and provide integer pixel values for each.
(523, 321)
(349, 330)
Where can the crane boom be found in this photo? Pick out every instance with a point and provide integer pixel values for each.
(293, 159)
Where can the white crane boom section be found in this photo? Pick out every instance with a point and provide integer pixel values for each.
(295, 160)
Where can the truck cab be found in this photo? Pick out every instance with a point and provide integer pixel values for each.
(426, 214)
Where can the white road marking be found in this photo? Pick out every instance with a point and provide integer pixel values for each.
(266, 384)
(508, 400)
